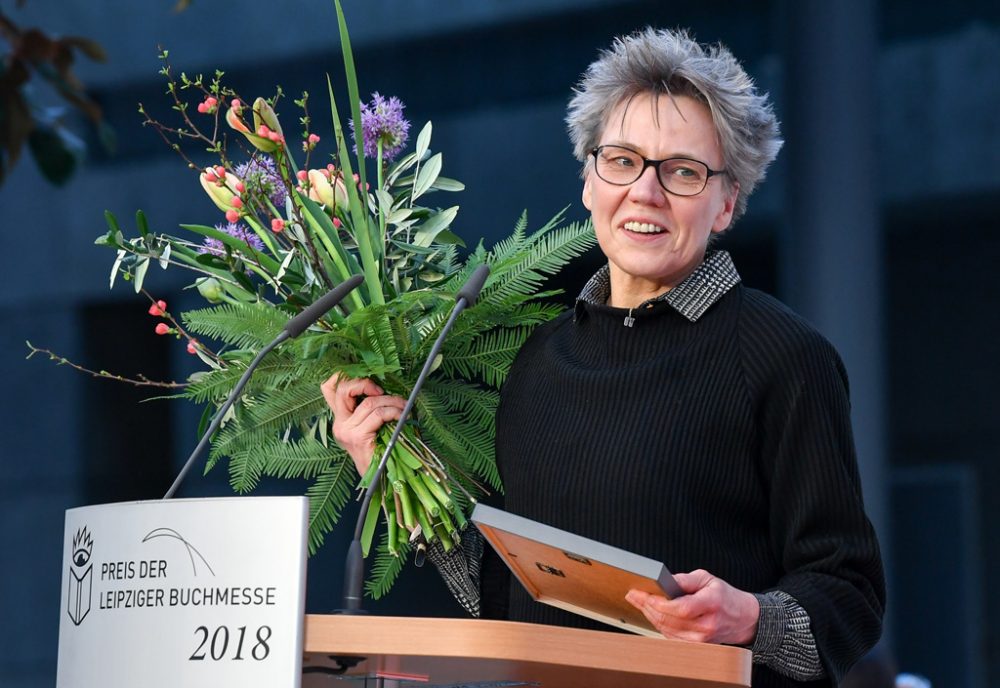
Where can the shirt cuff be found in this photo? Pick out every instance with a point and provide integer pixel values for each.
(785, 641)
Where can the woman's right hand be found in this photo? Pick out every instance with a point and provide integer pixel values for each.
(356, 423)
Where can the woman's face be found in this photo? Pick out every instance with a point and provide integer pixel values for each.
(653, 239)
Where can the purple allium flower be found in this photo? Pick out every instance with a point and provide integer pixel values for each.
(238, 230)
(382, 119)
(262, 179)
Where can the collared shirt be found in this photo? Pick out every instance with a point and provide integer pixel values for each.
(691, 298)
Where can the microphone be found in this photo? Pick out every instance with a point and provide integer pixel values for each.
(354, 572)
(310, 314)
(293, 328)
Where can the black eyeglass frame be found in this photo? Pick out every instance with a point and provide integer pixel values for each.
(655, 164)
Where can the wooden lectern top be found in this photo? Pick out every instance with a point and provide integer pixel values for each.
(449, 651)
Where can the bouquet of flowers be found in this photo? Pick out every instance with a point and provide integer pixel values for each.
(293, 231)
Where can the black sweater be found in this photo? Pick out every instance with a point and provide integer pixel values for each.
(723, 444)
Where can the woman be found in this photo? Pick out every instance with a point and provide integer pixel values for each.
(674, 412)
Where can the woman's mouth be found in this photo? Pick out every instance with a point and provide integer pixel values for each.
(643, 227)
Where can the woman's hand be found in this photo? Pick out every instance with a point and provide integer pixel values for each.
(355, 423)
(712, 611)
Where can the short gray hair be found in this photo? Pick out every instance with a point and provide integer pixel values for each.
(658, 61)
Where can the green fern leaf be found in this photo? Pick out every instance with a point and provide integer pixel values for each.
(385, 569)
(327, 497)
(245, 468)
(302, 458)
(245, 326)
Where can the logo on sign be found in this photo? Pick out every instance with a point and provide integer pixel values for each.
(81, 578)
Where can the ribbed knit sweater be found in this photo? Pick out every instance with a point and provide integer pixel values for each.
(723, 443)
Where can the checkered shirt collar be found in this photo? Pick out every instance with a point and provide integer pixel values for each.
(691, 298)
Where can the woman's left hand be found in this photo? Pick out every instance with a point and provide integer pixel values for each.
(711, 611)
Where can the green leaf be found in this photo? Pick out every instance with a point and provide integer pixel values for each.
(384, 201)
(359, 216)
(140, 273)
(445, 184)
(386, 569)
(322, 226)
(398, 215)
(371, 520)
(115, 266)
(427, 175)
(245, 468)
(284, 266)
(165, 257)
(141, 223)
(448, 237)
(246, 326)
(436, 224)
(304, 458)
(327, 497)
(423, 141)
(112, 222)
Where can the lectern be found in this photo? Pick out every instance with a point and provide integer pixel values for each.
(455, 651)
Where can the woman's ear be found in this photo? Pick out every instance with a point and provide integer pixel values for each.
(588, 191)
(725, 216)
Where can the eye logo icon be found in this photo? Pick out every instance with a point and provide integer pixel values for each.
(81, 578)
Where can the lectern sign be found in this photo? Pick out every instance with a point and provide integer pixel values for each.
(186, 592)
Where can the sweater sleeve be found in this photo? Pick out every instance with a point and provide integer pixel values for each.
(784, 639)
(827, 549)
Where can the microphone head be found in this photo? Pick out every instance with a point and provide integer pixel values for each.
(314, 312)
(470, 290)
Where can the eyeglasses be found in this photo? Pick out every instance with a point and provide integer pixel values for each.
(680, 176)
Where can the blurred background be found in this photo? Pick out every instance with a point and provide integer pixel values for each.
(878, 223)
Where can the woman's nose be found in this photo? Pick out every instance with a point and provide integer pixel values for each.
(647, 189)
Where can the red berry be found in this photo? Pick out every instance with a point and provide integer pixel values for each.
(192, 346)
(277, 225)
(232, 216)
(240, 187)
(202, 108)
(336, 222)
(313, 138)
(302, 175)
(155, 310)
(236, 202)
(162, 328)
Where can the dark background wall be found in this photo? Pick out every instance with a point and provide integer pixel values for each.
(494, 78)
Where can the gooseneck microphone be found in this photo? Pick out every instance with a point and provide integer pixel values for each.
(354, 570)
(293, 328)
